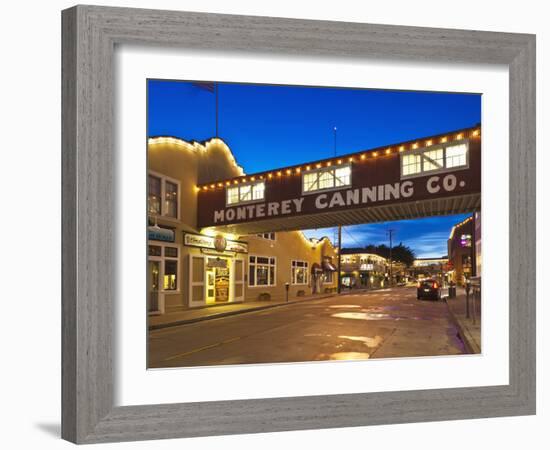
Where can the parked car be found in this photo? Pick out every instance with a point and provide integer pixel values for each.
(428, 288)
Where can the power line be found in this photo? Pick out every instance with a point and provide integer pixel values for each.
(351, 236)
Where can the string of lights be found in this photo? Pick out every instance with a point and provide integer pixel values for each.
(290, 171)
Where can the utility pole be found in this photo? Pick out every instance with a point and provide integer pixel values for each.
(334, 231)
(339, 258)
(339, 289)
(390, 233)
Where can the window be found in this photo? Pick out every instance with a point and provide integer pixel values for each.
(466, 262)
(299, 271)
(245, 193)
(171, 199)
(434, 159)
(342, 176)
(168, 263)
(411, 164)
(270, 236)
(170, 275)
(155, 250)
(456, 155)
(261, 271)
(162, 196)
(328, 277)
(153, 195)
(324, 179)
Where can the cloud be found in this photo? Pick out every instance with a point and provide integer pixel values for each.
(426, 236)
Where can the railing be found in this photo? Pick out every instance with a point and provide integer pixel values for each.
(473, 298)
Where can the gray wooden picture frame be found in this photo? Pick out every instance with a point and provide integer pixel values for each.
(90, 34)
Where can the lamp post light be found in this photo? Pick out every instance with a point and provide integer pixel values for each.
(390, 233)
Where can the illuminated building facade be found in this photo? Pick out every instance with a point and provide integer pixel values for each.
(360, 270)
(188, 267)
(218, 235)
(462, 245)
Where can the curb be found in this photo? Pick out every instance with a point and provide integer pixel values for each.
(470, 346)
(229, 313)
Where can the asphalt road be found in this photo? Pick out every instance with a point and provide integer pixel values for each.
(386, 323)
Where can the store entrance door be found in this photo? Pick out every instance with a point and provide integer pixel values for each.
(217, 280)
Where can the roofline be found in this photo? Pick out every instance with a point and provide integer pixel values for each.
(430, 259)
(473, 131)
(196, 145)
(459, 224)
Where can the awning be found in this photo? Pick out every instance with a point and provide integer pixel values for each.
(328, 267)
(315, 268)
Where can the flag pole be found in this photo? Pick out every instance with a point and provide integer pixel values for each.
(216, 86)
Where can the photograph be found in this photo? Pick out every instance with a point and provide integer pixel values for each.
(289, 224)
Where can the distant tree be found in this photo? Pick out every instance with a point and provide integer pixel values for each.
(403, 254)
(400, 253)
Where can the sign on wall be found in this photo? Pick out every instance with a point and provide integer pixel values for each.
(157, 233)
(218, 243)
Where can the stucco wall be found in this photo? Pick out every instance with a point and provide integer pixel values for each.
(191, 164)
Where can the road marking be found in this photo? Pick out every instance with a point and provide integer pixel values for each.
(200, 349)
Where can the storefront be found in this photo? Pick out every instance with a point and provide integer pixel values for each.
(216, 269)
(190, 268)
(363, 270)
(462, 245)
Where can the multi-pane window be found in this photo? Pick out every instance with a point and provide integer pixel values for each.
(434, 159)
(456, 155)
(167, 258)
(258, 191)
(299, 272)
(261, 271)
(342, 176)
(411, 164)
(170, 199)
(328, 178)
(245, 193)
(232, 195)
(269, 236)
(154, 192)
(162, 196)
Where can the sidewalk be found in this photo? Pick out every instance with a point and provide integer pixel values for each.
(469, 333)
(188, 316)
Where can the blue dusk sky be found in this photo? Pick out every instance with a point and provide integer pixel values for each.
(270, 126)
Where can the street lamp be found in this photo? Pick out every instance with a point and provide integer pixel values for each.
(390, 233)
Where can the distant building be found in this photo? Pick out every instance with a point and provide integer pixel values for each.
(429, 267)
(477, 239)
(362, 270)
(462, 245)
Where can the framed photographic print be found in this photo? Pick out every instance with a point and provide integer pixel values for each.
(268, 222)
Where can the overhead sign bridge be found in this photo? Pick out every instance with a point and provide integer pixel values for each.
(429, 176)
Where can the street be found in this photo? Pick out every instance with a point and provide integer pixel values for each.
(386, 323)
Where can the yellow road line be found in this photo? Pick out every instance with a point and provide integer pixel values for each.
(200, 349)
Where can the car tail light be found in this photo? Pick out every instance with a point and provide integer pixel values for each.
(435, 285)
